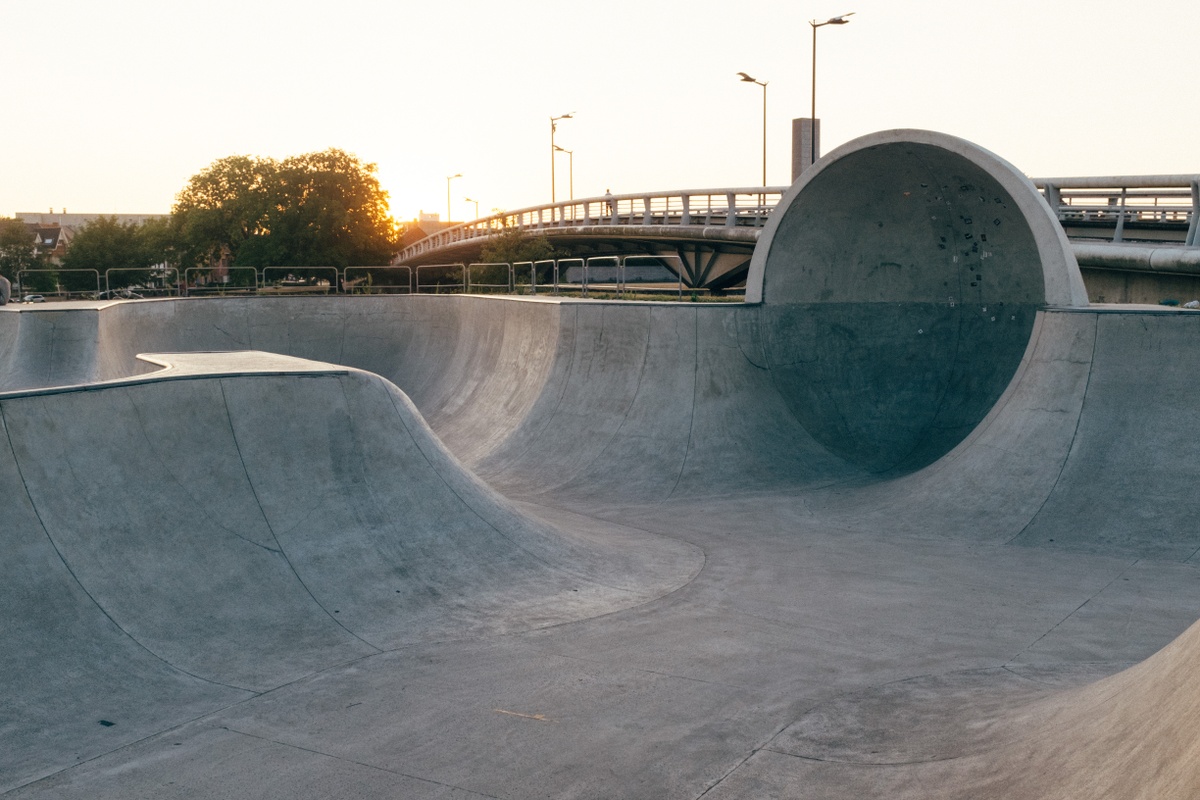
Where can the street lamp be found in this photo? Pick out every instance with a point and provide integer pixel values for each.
(571, 161)
(476, 202)
(747, 79)
(553, 128)
(448, 179)
(813, 137)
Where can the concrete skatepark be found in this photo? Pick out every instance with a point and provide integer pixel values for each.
(915, 521)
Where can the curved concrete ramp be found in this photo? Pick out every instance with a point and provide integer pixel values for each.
(996, 734)
(858, 539)
(239, 521)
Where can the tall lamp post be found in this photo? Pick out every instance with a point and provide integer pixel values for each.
(747, 79)
(841, 20)
(553, 128)
(448, 179)
(571, 163)
(476, 202)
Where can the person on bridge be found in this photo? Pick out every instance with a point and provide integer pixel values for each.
(611, 203)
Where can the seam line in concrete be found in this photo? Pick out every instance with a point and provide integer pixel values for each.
(79, 583)
(612, 437)
(687, 450)
(358, 763)
(470, 507)
(271, 528)
(166, 470)
(562, 389)
(1074, 435)
(753, 752)
(1058, 624)
(128, 745)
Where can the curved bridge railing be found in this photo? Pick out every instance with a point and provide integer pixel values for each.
(1162, 208)
(735, 207)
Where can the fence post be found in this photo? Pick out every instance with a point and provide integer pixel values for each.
(1053, 197)
(1119, 233)
(1192, 239)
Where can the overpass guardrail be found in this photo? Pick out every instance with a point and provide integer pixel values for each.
(735, 207)
(1157, 208)
(1162, 208)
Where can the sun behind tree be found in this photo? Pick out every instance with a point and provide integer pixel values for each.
(318, 209)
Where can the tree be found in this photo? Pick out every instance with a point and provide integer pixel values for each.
(316, 209)
(512, 247)
(515, 245)
(18, 248)
(105, 244)
(222, 207)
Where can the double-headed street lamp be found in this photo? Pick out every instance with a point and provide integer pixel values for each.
(448, 179)
(553, 128)
(747, 79)
(571, 162)
(840, 20)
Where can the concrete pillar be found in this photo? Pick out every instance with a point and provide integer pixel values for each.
(802, 144)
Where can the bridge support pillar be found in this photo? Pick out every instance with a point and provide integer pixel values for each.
(803, 146)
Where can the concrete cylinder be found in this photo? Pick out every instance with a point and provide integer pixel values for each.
(899, 282)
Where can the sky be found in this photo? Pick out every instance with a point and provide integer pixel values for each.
(113, 105)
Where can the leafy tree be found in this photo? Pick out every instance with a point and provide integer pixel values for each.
(18, 248)
(317, 209)
(221, 208)
(104, 244)
(160, 241)
(514, 246)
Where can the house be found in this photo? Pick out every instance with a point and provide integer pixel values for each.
(55, 231)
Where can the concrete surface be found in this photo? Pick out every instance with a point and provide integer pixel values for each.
(613, 549)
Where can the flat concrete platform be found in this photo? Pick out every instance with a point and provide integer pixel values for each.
(454, 547)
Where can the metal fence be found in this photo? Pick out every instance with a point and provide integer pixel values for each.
(377, 280)
(488, 275)
(576, 277)
(134, 283)
(299, 280)
(437, 277)
(60, 283)
(637, 276)
(233, 281)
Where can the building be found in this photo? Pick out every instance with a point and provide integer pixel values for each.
(54, 231)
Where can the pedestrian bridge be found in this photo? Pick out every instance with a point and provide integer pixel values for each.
(707, 236)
